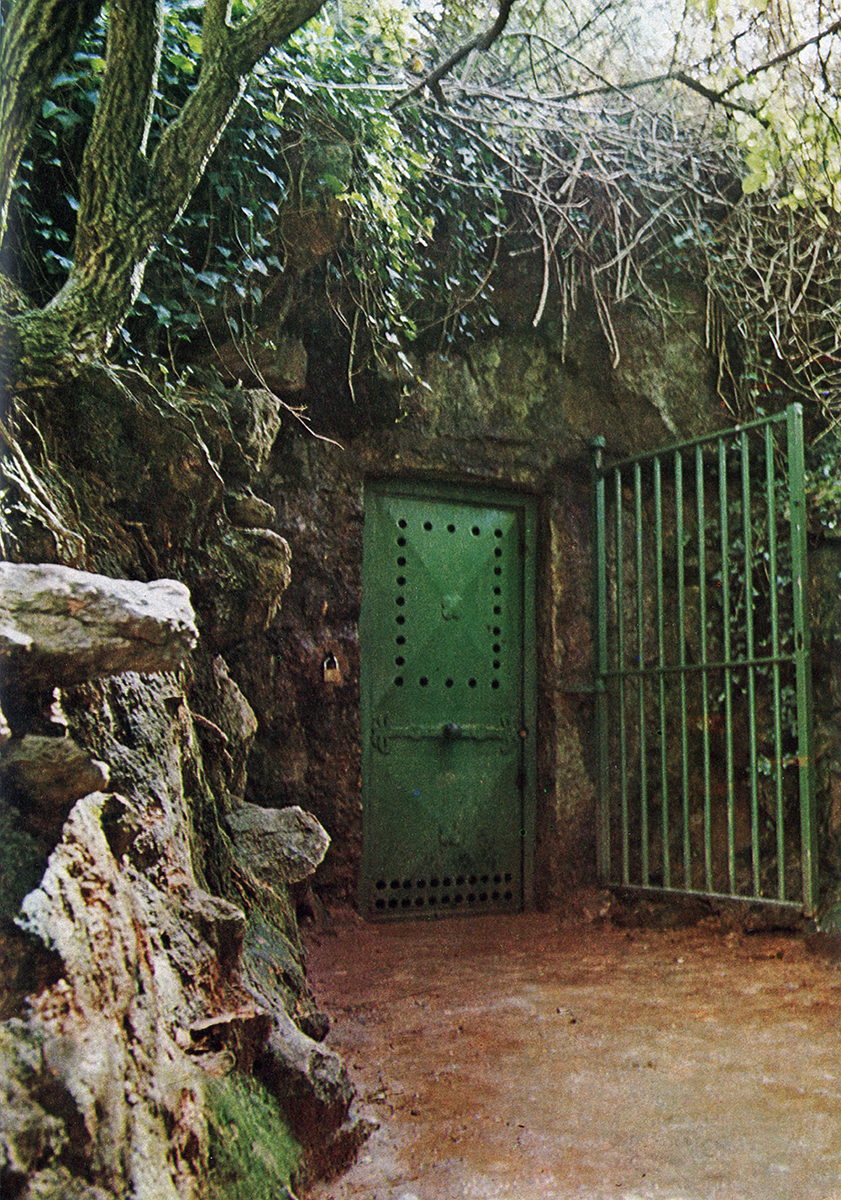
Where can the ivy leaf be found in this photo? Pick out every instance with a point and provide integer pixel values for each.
(183, 63)
(335, 184)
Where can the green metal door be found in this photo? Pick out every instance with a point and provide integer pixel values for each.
(447, 702)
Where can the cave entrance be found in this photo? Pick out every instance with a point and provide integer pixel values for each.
(704, 702)
(447, 701)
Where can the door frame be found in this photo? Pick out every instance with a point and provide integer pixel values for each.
(527, 508)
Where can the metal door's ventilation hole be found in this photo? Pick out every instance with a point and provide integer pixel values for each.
(448, 683)
(444, 892)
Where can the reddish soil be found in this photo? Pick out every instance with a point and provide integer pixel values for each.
(529, 1058)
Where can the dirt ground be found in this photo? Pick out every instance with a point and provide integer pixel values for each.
(522, 1056)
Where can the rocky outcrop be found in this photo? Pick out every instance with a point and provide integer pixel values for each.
(59, 624)
(139, 983)
(50, 770)
(318, 1094)
(278, 846)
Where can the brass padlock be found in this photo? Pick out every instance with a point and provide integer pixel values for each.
(331, 670)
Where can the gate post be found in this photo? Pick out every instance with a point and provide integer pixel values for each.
(603, 865)
(802, 655)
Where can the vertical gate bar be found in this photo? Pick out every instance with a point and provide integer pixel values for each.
(681, 624)
(644, 863)
(661, 662)
(700, 499)
(777, 760)
(802, 653)
(620, 677)
(747, 519)
(601, 666)
(724, 536)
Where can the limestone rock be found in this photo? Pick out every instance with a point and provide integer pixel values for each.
(248, 511)
(220, 924)
(272, 971)
(255, 414)
(241, 586)
(277, 845)
(60, 1185)
(223, 716)
(28, 1133)
(141, 1113)
(318, 1097)
(50, 770)
(59, 625)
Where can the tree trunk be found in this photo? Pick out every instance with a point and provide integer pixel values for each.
(38, 36)
(128, 200)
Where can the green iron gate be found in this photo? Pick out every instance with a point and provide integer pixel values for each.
(447, 701)
(703, 681)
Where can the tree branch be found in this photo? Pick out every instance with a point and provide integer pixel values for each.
(117, 140)
(268, 26)
(792, 52)
(482, 41)
(229, 55)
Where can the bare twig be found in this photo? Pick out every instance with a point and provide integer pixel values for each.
(482, 41)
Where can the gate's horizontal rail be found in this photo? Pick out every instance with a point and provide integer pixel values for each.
(709, 439)
(694, 668)
(791, 906)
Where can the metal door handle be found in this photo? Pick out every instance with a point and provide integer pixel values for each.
(382, 731)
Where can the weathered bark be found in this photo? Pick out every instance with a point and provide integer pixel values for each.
(128, 199)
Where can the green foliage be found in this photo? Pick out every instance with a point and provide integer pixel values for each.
(823, 482)
(777, 65)
(252, 1154)
(408, 212)
(387, 218)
